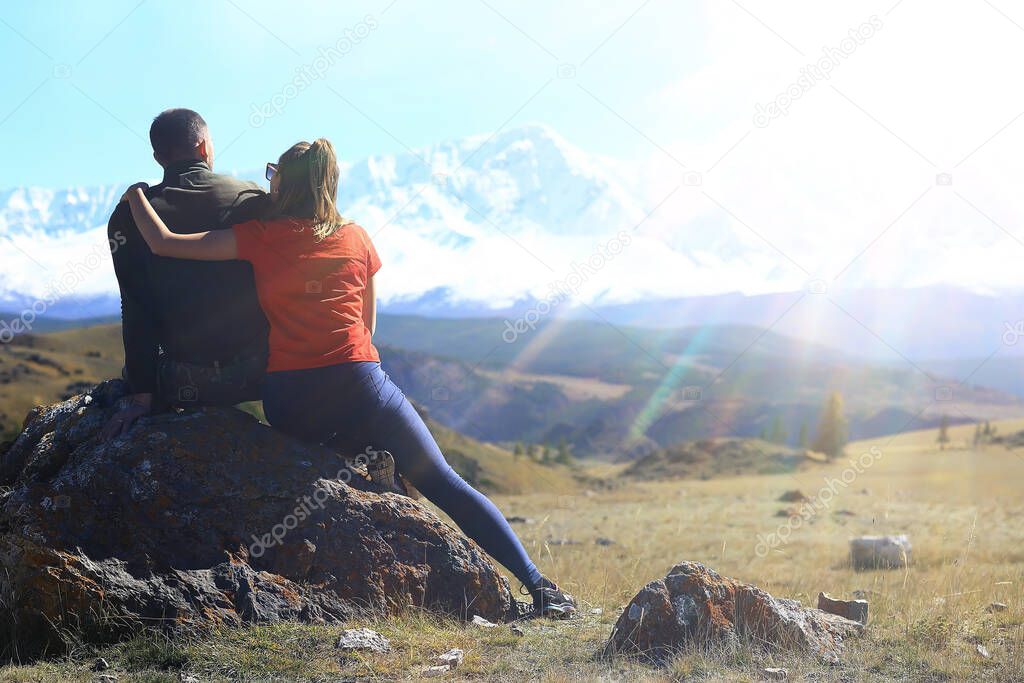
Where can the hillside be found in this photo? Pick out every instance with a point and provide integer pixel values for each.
(710, 458)
(619, 388)
(40, 368)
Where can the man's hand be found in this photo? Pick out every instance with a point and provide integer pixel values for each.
(132, 188)
(129, 409)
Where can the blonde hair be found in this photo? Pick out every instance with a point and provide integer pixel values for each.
(309, 186)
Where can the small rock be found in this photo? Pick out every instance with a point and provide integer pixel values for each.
(100, 665)
(363, 639)
(793, 496)
(517, 630)
(996, 607)
(562, 541)
(516, 519)
(776, 674)
(187, 678)
(482, 623)
(452, 658)
(435, 671)
(597, 610)
(857, 610)
(604, 541)
(844, 513)
(983, 651)
(880, 552)
(788, 512)
(106, 678)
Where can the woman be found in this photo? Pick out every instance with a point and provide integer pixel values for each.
(315, 281)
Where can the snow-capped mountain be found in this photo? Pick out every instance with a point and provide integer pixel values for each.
(483, 221)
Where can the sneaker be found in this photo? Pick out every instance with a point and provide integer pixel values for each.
(550, 601)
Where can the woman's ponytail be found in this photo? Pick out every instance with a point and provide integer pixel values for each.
(309, 185)
(323, 185)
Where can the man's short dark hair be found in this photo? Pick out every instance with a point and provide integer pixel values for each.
(175, 133)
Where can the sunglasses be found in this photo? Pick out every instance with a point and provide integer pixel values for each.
(271, 170)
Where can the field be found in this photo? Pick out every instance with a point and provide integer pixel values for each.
(962, 509)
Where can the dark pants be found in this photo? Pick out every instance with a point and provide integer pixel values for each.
(352, 406)
(188, 385)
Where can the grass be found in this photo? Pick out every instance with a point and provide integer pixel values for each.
(962, 509)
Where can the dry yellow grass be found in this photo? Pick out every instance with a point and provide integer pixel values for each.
(963, 510)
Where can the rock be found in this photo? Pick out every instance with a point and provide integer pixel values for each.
(562, 541)
(604, 541)
(775, 674)
(694, 604)
(516, 519)
(597, 611)
(793, 496)
(478, 620)
(363, 640)
(434, 671)
(880, 552)
(788, 512)
(106, 678)
(451, 659)
(983, 651)
(857, 610)
(209, 518)
(996, 607)
(100, 665)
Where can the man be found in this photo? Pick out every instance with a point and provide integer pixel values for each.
(193, 331)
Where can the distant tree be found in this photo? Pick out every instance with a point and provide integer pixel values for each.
(803, 435)
(564, 454)
(986, 433)
(943, 432)
(533, 452)
(778, 433)
(832, 429)
(977, 433)
(764, 434)
(545, 456)
(518, 450)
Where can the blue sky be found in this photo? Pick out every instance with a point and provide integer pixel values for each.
(869, 144)
(84, 79)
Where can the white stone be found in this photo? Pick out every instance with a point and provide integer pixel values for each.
(880, 552)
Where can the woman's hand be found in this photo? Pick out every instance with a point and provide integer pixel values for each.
(218, 245)
(131, 189)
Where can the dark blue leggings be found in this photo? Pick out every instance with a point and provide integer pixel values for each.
(352, 406)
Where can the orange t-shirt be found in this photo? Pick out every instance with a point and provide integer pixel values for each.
(311, 292)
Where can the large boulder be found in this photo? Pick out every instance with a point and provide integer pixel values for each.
(205, 518)
(694, 605)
